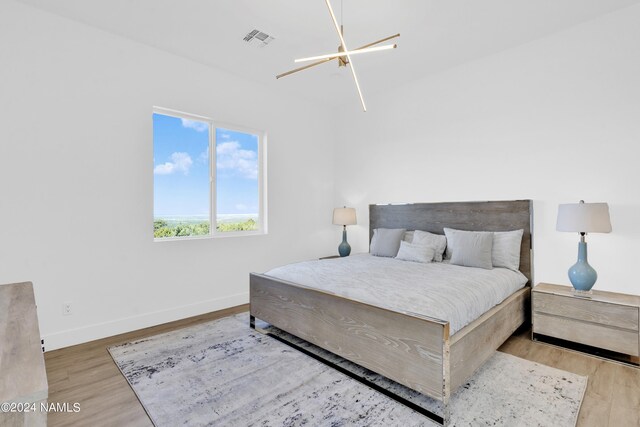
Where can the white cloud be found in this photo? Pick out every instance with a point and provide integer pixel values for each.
(241, 207)
(231, 157)
(195, 125)
(180, 162)
(204, 156)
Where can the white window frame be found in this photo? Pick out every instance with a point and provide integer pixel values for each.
(262, 177)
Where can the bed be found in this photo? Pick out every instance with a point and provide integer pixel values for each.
(420, 352)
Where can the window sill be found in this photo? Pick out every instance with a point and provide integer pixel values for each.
(212, 236)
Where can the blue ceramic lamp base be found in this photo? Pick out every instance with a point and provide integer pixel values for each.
(581, 274)
(345, 248)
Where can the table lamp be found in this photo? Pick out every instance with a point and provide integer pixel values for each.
(583, 218)
(344, 216)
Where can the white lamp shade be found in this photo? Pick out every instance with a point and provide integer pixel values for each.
(344, 216)
(584, 218)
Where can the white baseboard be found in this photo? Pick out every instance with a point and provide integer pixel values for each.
(96, 331)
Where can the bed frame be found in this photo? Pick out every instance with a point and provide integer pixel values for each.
(413, 350)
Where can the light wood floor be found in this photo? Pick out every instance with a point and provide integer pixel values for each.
(86, 374)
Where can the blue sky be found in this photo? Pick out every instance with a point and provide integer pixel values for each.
(181, 169)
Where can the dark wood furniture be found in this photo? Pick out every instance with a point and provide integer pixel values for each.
(411, 349)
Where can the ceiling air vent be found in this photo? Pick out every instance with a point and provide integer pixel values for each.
(258, 38)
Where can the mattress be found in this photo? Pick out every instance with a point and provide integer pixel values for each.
(439, 290)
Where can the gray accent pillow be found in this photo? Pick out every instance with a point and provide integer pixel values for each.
(386, 241)
(416, 253)
(438, 241)
(470, 248)
(506, 249)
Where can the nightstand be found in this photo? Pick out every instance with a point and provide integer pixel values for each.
(603, 321)
(330, 257)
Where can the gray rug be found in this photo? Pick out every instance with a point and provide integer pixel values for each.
(223, 373)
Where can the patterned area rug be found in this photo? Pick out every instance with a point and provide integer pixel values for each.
(224, 373)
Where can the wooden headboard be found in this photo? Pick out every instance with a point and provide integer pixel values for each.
(472, 216)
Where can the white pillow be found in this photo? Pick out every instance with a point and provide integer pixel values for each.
(438, 241)
(470, 248)
(408, 236)
(416, 253)
(506, 249)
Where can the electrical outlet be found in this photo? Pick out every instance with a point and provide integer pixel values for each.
(66, 308)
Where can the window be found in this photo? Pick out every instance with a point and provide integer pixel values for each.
(206, 173)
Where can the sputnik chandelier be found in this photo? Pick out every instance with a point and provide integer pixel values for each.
(343, 55)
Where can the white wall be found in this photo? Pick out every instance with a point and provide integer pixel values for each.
(556, 120)
(76, 179)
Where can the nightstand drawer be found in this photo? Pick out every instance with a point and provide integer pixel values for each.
(622, 341)
(596, 312)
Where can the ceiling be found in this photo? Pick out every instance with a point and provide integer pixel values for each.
(435, 34)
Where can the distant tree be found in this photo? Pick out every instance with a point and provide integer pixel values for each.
(183, 230)
(159, 223)
(164, 232)
(179, 230)
(201, 229)
(248, 225)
